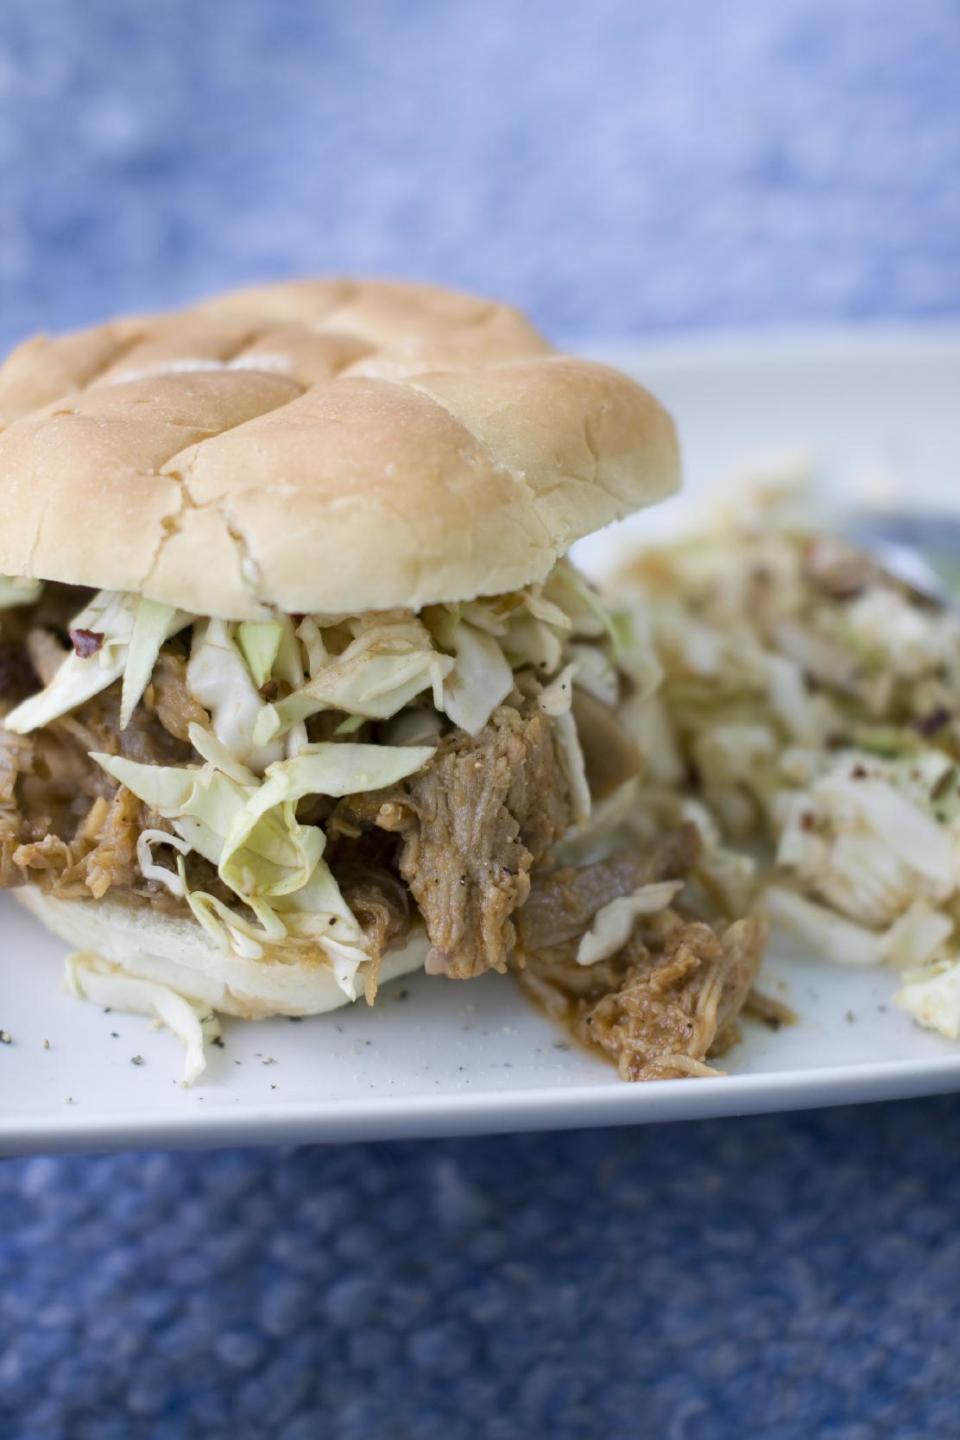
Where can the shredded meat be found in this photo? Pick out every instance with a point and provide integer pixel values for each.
(96, 726)
(102, 854)
(17, 676)
(381, 904)
(16, 755)
(472, 824)
(670, 996)
(675, 1008)
(563, 902)
(64, 824)
(666, 1002)
(610, 756)
(363, 861)
(170, 700)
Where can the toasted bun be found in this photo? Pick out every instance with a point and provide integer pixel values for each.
(174, 951)
(320, 446)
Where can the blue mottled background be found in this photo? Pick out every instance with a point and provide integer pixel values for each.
(618, 168)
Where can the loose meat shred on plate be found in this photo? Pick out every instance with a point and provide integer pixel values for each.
(666, 1002)
(670, 997)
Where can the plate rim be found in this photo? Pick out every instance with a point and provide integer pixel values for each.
(421, 1116)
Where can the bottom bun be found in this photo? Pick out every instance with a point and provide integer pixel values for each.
(173, 950)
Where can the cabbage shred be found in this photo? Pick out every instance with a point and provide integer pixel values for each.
(812, 701)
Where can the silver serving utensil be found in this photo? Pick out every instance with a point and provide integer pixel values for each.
(921, 550)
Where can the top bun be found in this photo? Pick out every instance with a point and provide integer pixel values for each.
(316, 446)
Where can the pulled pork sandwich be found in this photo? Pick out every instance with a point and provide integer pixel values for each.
(299, 692)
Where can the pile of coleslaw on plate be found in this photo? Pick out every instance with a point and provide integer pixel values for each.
(811, 703)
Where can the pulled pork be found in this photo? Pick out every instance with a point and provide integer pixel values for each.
(610, 756)
(472, 824)
(366, 871)
(670, 996)
(65, 826)
(169, 699)
(563, 902)
(668, 1000)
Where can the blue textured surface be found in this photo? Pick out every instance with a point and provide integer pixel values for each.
(777, 1279)
(613, 166)
(616, 168)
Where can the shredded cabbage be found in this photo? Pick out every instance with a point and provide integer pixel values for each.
(480, 678)
(933, 999)
(127, 641)
(612, 924)
(530, 642)
(89, 977)
(327, 769)
(555, 700)
(816, 703)
(387, 664)
(248, 829)
(151, 626)
(567, 589)
(149, 868)
(842, 941)
(220, 679)
(596, 673)
(259, 642)
(917, 937)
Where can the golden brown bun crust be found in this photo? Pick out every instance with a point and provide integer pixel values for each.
(317, 446)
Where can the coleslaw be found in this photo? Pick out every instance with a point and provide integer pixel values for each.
(811, 702)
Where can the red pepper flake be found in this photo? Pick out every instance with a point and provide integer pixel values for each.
(808, 821)
(86, 642)
(858, 772)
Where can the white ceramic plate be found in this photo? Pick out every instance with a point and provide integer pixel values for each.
(437, 1058)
